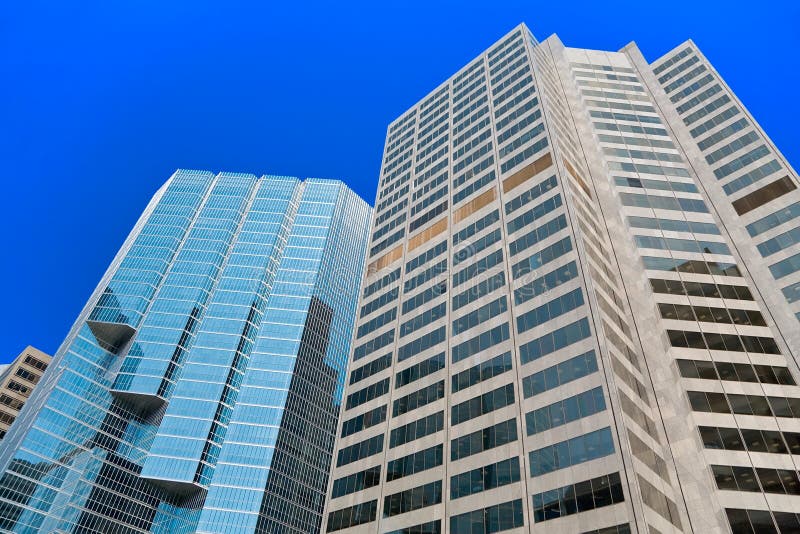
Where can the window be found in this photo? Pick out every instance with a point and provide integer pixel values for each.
(412, 499)
(414, 463)
(761, 521)
(419, 370)
(706, 401)
(477, 267)
(424, 319)
(379, 302)
(359, 451)
(483, 371)
(575, 498)
(356, 482)
(684, 312)
(367, 370)
(744, 478)
(739, 372)
(484, 478)
(562, 373)
(730, 342)
(571, 452)
(701, 289)
(352, 516)
(769, 441)
(431, 527)
(690, 266)
(421, 344)
(537, 234)
(544, 256)
(483, 404)
(376, 322)
(479, 315)
(774, 220)
(545, 283)
(416, 429)
(482, 288)
(495, 518)
(565, 411)
(531, 194)
(418, 399)
(372, 345)
(365, 420)
(370, 392)
(555, 340)
(483, 440)
(550, 310)
(480, 343)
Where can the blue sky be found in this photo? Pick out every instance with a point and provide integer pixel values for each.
(102, 101)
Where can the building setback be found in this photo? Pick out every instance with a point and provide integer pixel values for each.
(566, 324)
(17, 381)
(199, 388)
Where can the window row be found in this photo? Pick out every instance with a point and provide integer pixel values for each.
(701, 289)
(483, 440)
(479, 343)
(574, 451)
(364, 420)
(497, 518)
(479, 315)
(419, 370)
(728, 342)
(559, 374)
(483, 404)
(685, 312)
(414, 463)
(565, 411)
(373, 391)
(483, 371)
(707, 401)
(753, 440)
(766, 479)
(737, 372)
(485, 478)
(416, 429)
(422, 343)
(760, 521)
(419, 398)
(352, 516)
(356, 482)
(369, 369)
(682, 265)
(550, 310)
(575, 498)
(481, 289)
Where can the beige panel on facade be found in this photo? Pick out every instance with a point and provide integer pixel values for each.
(527, 172)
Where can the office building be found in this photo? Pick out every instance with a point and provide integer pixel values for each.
(577, 314)
(17, 381)
(198, 389)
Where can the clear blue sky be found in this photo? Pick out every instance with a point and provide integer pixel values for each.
(102, 101)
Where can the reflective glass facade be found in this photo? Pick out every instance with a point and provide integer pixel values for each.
(199, 389)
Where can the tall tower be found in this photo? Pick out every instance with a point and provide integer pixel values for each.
(17, 382)
(199, 388)
(556, 328)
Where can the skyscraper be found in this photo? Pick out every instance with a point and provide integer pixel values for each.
(199, 388)
(17, 381)
(565, 323)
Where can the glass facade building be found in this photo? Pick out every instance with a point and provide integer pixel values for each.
(198, 390)
(570, 320)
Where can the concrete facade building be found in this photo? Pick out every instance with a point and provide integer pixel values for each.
(567, 322)
(17, 381)
(198, 390)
